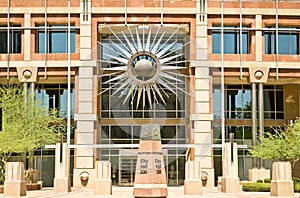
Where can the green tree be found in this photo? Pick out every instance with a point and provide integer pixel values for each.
(26, 124)
(280, 145)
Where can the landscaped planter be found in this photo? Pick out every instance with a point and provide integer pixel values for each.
(31, 177)
(35, 186)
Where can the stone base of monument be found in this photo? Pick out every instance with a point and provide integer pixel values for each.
(144, 192)
(102, 187)
(282, 189)
(62, 185)
(15, 188)
(255, 174)
(193, 187)
(230, 185)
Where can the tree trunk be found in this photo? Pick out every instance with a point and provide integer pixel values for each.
(30, 160)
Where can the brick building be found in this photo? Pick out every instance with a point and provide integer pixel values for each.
(207, 81)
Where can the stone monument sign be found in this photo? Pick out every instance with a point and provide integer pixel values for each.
(150, 176)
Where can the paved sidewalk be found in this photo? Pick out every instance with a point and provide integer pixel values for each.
(126, 192)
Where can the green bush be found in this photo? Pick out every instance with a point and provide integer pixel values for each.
(267, 180)
(256, 187)
(1, 181)
(296, 187)
(259, 181)
(296, 180)
(265, 187)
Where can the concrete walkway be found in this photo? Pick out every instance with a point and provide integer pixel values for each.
(126, 192)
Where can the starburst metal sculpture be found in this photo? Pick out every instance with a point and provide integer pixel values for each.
(143, 62)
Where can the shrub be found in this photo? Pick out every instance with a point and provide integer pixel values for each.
(265, 187)
(296, 180)
(296, 187)
(256, 187)
(259, 181)
(267, 180)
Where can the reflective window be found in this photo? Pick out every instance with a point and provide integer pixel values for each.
(231, 41)
(131, 134)
(217, 101)
(273, 102)
(56, 96)
(242, 134)
(288, 41)
(56, 39)
(14, 41)
(238, 102)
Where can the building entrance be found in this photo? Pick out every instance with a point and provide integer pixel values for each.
(127, 170)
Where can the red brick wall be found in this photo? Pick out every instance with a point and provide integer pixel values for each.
(145, 3)
(39, 3)
(257, 4)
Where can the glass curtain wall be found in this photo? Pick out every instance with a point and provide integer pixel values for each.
(55, 96)
(238, 107)
(126, 136)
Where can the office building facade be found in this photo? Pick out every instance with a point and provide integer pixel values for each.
(200, 69)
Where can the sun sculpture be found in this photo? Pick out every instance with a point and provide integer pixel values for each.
(143, 60)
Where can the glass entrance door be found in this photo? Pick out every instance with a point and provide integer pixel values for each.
(127, 170)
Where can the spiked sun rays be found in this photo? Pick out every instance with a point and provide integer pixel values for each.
(141, 61)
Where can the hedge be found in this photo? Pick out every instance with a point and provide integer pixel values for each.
(265, 187)
(256, 187)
